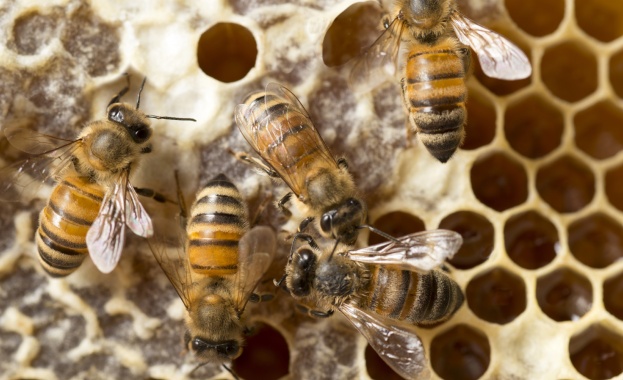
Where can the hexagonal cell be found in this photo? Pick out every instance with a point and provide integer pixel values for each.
(499, 182)
(569, 70)
(533, 126)
(597, 352)
(33, 31)
(265, 355)
(613, 186)
(598, 130)
(396, 223)
(564, 295)
(616, 73)
(477, 233)
(497, 296)
(613, 295)
(352, 31)
(227, 52)
(529, 15)
(377, 368)
(461, 353)
(601, 19)
(566, 184)
(596, 240)
(531, 240)
(480, 127)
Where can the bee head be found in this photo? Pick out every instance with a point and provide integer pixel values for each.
(343, 222)
(133, 120)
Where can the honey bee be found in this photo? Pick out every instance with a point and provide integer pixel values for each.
(378, 288)
(277, 126)
(93, 199)
(433, 84)
(224, 262)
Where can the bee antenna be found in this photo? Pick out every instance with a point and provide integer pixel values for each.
(140, 90)
(170, 117)
(381, 233)
(123, 91)
(231, 371)
(197, 367)
(337, 241)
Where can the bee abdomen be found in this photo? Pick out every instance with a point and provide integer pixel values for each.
(218, 219)
(64, 223)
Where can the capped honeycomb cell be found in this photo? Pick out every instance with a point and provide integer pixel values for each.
(227, 52)
(531, 240)
(397, 224)
(461, 353)
(533, 126)
(597, 352)
(616, 73)
(569, 70)
(265, 355)
(614, 184)
(599, 130)
(477, 233)
(377, 368)
(566, 184)
(613, 295)
(497, 296)
(596, 240)
(564, 295)
(601, 19)
(480, 127)
(530, 16)
(33, 31)
(499, 182)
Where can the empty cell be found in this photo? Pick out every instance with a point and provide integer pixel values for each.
(531, 16)
(596, 240)
(531, 240)
(564, 295)
(497, 296)
(533, 126)
(601, 19)
(397, 224)
(616, 73)
(33, 31)
(477, 232)
(599, 130)
(499, 182)
(614, 184)
(480, 127)
(351, 32)
(569, 70)
(613, 295)
(461, 353)
(597, 352)
(377, 368)
(265, 355)
(566, 184)
(227, 52)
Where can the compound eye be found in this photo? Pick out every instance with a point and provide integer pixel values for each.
(227, 349)
(351, 202)
(198, 345)
(140, 133)
(116, 114)
(326, 221)
(307, 259)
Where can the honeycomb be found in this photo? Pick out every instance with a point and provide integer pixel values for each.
(535, 190)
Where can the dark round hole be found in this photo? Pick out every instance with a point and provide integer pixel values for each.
(564, 295)
(377, 368)
(477, 233)
(461, 353)
(531, 240)
(265, 355)
(601, 19)
(596, 240)
(613, 295)
(597, 353)
(569, 71)
(529, 15)
(480, 126)
(566, 184)
(598, 130)
(497, 296)
(397, 224)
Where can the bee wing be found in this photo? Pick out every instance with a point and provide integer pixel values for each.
(499, 58)
(420, 251)
(380, 60)
(136, 217)
(402, 350)
(257, 249)
(33, 142)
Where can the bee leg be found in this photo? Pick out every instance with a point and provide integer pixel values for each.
(150, 193)
(281, 282)
(281, 205)
(264, 297)
(231, 371)
(304, 223)
(466, 55)
(260, 209)
(255, 162)
(342, 163)
(308, 238)
(313, 313)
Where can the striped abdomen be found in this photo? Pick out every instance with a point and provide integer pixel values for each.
(421, 299)
(64, 223)
(218, 219)
(435, 93)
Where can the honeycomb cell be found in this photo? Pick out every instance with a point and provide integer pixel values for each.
(397, 224)
(265, 355)
(499, 181)
(480, 127)
(477, 233)
(596, 240)
(616, 73)
(564, 295)
(597, 352)
(497, 296)
(530, 17)
(613, 186)
(613, 295)
(533, 126)
(227, 52)
(569, 70)
(531, 240)
(601, 19)
(566, 184)
(598, 130)
(33, 31)
(461, 353)
(353, 30)
(377, 368)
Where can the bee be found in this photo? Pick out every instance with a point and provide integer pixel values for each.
(93, 199)
(278, 127)
(379, 288)
(224, 262)
(433, 83)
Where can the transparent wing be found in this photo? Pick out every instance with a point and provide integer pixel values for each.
(33, 142)
(499, 58)
(136, 217)
(380, 61)
(257, 250)
(402, 350)
(420, 251)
